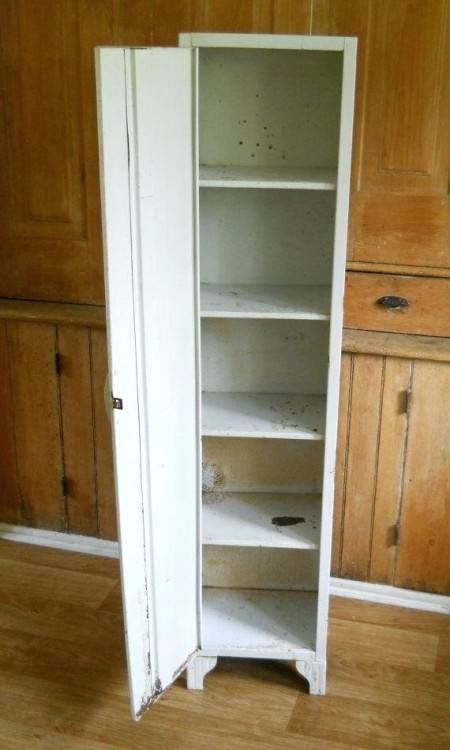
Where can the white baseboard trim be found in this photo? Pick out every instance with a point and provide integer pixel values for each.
(74, 542)
(383, 594)
(369, 592)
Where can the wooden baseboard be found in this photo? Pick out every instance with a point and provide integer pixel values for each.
(370, 592)
(383, 594)
(72, 542)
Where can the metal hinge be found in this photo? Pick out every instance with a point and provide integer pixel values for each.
(394, 535)
(407, 400)
(117, 403)
(57, 363)
(64, 486)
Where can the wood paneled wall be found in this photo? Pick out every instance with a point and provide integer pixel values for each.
(392, 519)
(49, 187)
(56, 468)
(392, 484)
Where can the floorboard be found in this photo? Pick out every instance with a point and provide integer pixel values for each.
(63, 680)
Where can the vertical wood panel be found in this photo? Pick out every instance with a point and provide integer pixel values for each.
(394, 416)
(214, 15)
(292, 16)
(44, 221)
(409, 40)
(37, 423)
(424, 551)
(77, 426)
(341, 462)
(49, 184)
(43, 96)
(10, 500)
(103, 440)
(367, 382)
(400, 208)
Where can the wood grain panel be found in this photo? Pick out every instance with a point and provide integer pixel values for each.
(53, 312)
(391, 449)
(45, 142)
(366, 392)
(400, 207)
(49, 189)
(292, 16)
(106, 506)
(401, 229)
(409, 38)
(43, 202)
(10, 500)
(428, 310)
(245, 16)
(78, 429)
(37, 423)
(396, 345)
(341, 462)
(424, 552)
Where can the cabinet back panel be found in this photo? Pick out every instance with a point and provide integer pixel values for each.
(260, 568)
(253, 465)
(269, 107)
(264, 356)
(251, 236)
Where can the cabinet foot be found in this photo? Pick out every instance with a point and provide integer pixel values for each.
(315, 673)
(198, 669)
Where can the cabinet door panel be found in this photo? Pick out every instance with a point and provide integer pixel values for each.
(424, 552)
(37, 431)
(400, 204)
(147, 133)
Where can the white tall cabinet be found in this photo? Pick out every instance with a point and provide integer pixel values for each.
(225, 179)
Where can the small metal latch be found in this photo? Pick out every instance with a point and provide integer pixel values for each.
(64, 486)
(58, 363)
(393, 535)
(117, 403)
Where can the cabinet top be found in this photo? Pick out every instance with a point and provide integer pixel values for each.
(268, 41)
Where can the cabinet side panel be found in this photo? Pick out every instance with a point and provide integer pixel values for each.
(340, 249)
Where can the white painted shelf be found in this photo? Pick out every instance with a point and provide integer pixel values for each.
(289, 178)
(264, 415)
(259, 301)
(246, 519)
(248, 620)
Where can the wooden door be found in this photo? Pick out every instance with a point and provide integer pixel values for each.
(392, 505)
(423, 560)
(147, 135)
(400, 206)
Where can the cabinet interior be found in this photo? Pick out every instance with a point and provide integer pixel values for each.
(268, 152)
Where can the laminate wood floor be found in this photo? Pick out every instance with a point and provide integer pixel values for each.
(63, 682)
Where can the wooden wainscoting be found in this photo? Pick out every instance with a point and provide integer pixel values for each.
(392, 515)
(56, 469)
(49, 187)
(392, 520)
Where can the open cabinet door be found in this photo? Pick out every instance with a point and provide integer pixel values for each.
(147, 144)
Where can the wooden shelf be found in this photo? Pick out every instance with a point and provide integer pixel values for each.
(264, 415)
(257, 301)
(248, 620)
(288, 178)
(245, 519)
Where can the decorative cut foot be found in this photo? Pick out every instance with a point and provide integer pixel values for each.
(198, 669)
(315, 673)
